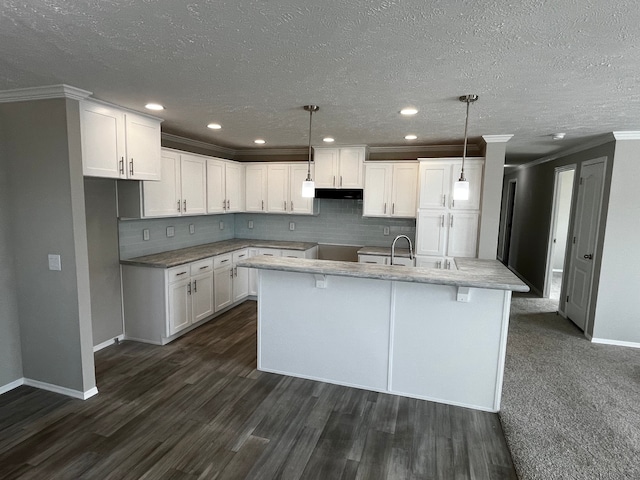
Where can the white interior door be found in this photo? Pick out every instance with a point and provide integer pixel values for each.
(583, 246)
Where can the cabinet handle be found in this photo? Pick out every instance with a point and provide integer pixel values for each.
(453, 202)
(439, 264)
(340, 180)
(442, 220)
(242, 256)
(189, 288)
(262, 204)
(444, 200)
(181, 273)
(385, 207)
(292, 205)
(131, 167)
(451, 221)
(228, 204)
(195, 286)
(206, 266)
(231, 273)
(179, 205)
(334, 180)
(285, 205)
(224, 204)
(184, 202)
(235, 271)
(224, 261)
(121, 165)
(393, 209)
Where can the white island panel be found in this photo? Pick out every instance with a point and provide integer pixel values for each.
(449, 351)
(337, 334)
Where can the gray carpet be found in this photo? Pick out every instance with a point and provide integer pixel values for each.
(570, 408)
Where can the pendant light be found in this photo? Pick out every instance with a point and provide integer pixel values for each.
(461, 187)
(308, 186)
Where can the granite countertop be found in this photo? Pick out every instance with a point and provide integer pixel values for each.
(471, 272)
(386, 251)
(173, 258)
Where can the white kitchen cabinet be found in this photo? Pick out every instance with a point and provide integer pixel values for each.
(202, 289)
(240, 275)
(442, 233)
(386, 260)
(181, 191)
(189, 294)
(255, 187)
(284, 189)
(436, 183)
(431, 230)
(462, 235)
(443, 263)
(222, 281)
(390, 189)
(339, 167)
(119, 144)
(225, 186)
(179, 305)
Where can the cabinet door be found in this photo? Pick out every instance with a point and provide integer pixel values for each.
(255, 187)
(143, 147)
(194, 184)
(463, 235)
(179, 305)
(430, 262)
(404, 261)
(216, 195)
(373, 259)
(298, 204)
(223, 287)
(240, 276)
(351, 162)
(103, 141)
(253, 274)
(292, 253)
(234, 186)
(431, 233)
(162, 199)
(473, 174)
(277, 188)
(202, 296)
(435, 181)
(377, 186)
(404, 190)
(326, 167)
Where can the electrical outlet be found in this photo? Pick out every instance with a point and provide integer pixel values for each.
(250, 224)
(385, 231)
(221, 225)
(54, 262)
(192, 228)
(145, 234)
(292, 226)
(171, 231)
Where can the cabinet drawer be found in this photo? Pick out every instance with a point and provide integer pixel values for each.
(202, 266)
(240, 255)
(178, 273)
(377, 259)
(269, 252)
(293, 253)
(222, 260)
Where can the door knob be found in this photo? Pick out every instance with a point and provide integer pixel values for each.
(588, 256)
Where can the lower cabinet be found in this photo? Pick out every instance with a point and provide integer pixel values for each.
(444, 263)
(386, 260)
(240, 276)
(189, 294)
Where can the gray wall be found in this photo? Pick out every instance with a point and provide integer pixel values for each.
(10, 350)
(104, 258)
(532, 215)
(46, 191)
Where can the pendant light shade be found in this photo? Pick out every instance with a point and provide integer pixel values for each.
(461, 187)
(308, 186)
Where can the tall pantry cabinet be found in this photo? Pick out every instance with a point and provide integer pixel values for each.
(445, 227)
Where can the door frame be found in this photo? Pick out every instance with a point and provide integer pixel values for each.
(596, 244)
(548, 276)
(507, 232)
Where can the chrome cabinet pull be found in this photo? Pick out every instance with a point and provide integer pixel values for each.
(235, 271)
(439, 264)
(385, 207)
(225, 260)
(453, 202)
(262, 204)
(185, 205)
(285, 205)
(393, 209)
(195, 285)
(131, 167)
(121, 168)
(451, 221)
(228, 204)
(181, 273)
(206, 266)
(179, 205)
(340, 180)
(224, 204)
(231, 273)
(442, 222)
(444, 200)
(292, 205)
(189, 288)
(334, 180)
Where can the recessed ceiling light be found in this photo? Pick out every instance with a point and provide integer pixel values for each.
(410, 137)
(408, 111)
(214, 126)
(558, 136)
(259, 141)
(328, 139)
(154, 106)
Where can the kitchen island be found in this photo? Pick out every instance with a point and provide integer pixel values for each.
(424, 333)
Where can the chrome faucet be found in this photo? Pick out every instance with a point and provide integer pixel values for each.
(393, 247)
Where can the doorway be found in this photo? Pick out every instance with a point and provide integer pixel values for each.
(558, 233)
(510, 206)
(583, 243)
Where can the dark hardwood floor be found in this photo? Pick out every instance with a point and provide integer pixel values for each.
(198, 409)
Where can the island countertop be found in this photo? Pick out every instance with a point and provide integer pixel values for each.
(173, 258)
(471, 272)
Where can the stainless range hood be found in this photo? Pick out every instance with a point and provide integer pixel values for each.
(339, 193)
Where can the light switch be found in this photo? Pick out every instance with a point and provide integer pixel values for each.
(54, 262)
(145, 234)
(221, 225)
(192, 228)
(171, 231)
(250, 224)
(292, 226)
(385, 231)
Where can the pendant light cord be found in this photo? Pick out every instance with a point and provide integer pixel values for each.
(309, 162)
(464, 148)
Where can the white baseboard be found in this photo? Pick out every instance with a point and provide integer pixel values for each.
(107, 343)
(618, 343)
(10, 386)
(62, 390)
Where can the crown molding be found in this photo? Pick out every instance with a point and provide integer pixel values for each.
(496, 138)
(269, 152)
(43, 93)
(627, 135)
(169, 137)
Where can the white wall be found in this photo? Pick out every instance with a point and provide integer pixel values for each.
(565, 189)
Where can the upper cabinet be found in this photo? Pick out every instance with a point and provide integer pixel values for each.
(437, 179)
(284, 189)
(339, 167)
(255, 187)
(118, 143)
(225, 186)
(390, 189)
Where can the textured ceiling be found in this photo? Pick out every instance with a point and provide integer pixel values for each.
(539, 66)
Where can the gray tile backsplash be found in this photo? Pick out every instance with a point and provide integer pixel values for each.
(339, 222)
